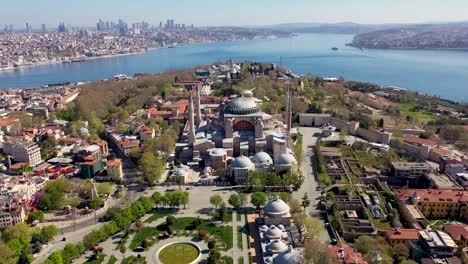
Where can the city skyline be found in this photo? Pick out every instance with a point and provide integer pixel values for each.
(86, 12)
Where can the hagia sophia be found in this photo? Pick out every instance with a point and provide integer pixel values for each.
(235, 137)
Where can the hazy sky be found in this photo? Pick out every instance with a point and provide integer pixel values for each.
(230, 12)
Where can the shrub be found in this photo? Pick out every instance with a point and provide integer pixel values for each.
(202, 233)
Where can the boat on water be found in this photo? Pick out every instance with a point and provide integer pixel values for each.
(335, 48)
(77, 60)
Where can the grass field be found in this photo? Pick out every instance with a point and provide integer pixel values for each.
(186, 223)
(141, 235)
(410, 109)
(217, 216)
(112, 260)
(238, 216)
(134, 260)
(239, 237)
(178, 254)
(99, 260)
(227, 260)
(155, 217)
(240, 260)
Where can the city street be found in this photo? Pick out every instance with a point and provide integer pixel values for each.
(309, 172)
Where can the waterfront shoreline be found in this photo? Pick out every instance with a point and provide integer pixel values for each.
(109, 56)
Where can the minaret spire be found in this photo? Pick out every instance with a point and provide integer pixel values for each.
(197, 104)
(288, 111)
(191, 139)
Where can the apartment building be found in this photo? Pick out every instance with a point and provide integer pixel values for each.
(408, 173)
(24, 151)
(444, 204)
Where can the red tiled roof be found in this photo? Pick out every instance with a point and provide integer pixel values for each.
(458, 232)
(114, 163)
(347, 254)
(406, 234)
(431, 195)
(419, 141)
(8, 121)
(129, 143)
(441, 151)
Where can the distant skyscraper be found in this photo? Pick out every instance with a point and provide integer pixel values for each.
(123, 27)
(44, 29)
(28, 27)
(62, 28)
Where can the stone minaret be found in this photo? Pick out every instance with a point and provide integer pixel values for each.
(197, 104)
(191, 121)
(288, 112)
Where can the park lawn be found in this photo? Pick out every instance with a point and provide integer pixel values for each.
(134, 260)
(112, 260)
(218, 217)
(186, 223)
(155, 217)
(141, 235)
(408, 109)
(239, 237)
(178, 254)
(227, 260)
(239, 217)
(240, 260)
(99, 260)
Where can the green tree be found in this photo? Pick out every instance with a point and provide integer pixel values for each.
(216, 200)
(223, 213)
(96, 203)
(36, 215)
(170, 220)
(295, 206)
(316, 252)
(313, 225)
(122, 128)
(25, 169)
(234, 200)
(214, 257)
(243, 199)
(305, 201)
(46, 234)
(258, 199)
(7, 255)
(400, 253)
(151, 167)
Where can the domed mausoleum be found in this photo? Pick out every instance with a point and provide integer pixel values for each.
(240, 168)
(277, 212)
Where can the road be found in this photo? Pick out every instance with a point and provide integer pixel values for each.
(308, 170)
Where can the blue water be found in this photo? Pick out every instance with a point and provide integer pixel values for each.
(434, 72)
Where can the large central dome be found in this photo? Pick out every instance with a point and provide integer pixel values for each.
(244, 105)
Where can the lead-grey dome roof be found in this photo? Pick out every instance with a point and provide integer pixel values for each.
(276, 206)
(242, 162)
(243, 105)
(290, 256)
(277, 246)
(261, 158)
(286, 159)
(218, 152)
(273, 231)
